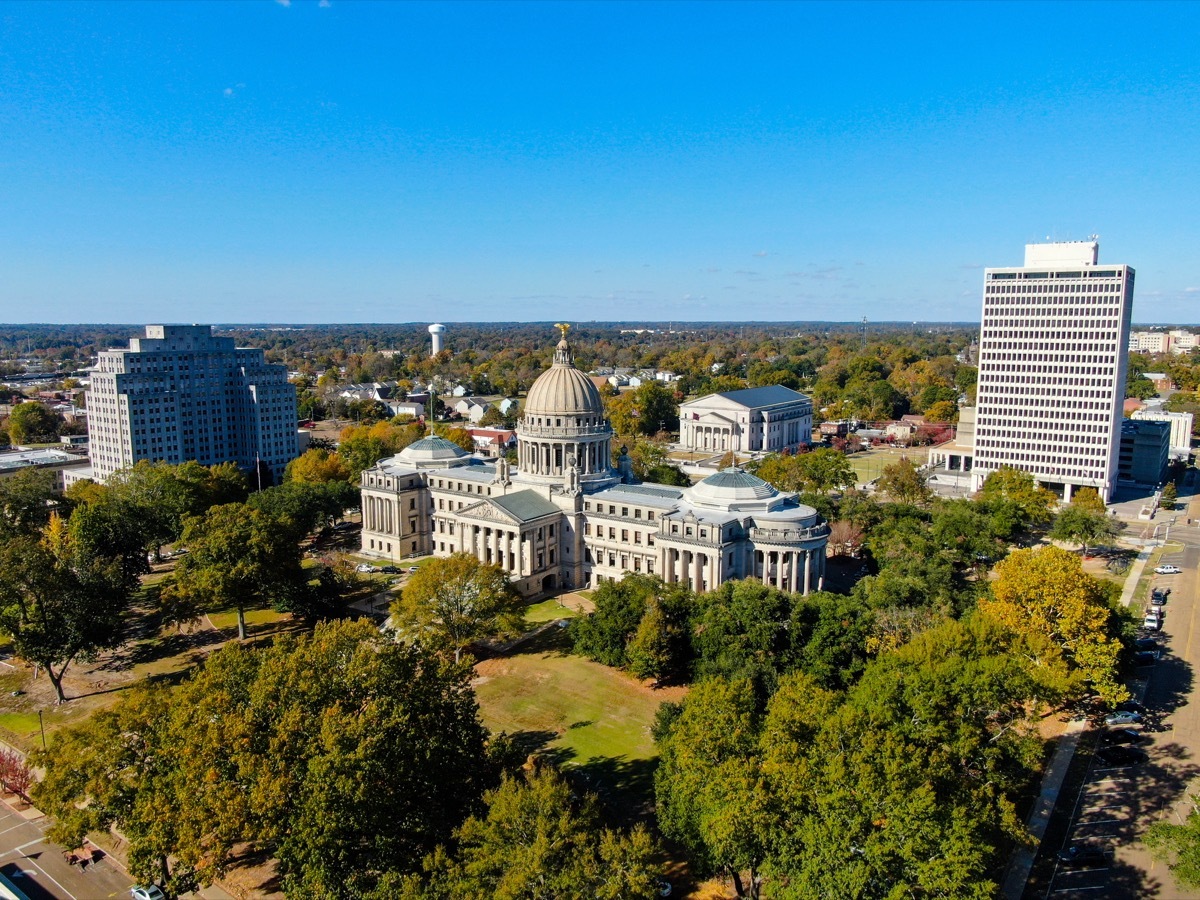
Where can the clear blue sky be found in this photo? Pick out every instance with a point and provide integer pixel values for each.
(365, 161)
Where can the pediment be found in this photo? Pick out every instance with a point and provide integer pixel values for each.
(487, 511)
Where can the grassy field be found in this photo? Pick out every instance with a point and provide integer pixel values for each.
(548, 611)
(584, 715)
(868, 464)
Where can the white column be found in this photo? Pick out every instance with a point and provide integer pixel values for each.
(807, 571)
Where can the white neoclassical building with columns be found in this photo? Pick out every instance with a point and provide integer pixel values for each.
(564, 518)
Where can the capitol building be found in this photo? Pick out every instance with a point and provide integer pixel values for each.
(564, 518)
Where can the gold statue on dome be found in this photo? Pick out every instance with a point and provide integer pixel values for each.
(564, 327)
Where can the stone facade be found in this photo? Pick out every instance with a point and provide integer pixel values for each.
(565, 519)
(763, 419)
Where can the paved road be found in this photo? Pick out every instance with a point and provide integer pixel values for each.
(39, 869)
(1117, 804)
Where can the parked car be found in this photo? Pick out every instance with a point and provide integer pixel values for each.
(1145, 657)
(1158, 599)
(1124, 736)
(1123, 718)
(1121, 756)
(1083, 855)
(1146, 643)
(1167, 570)
(1153, 621)
(414, 568)
(1129, 706)
(363, 567)
(390, 570)
(149, 892)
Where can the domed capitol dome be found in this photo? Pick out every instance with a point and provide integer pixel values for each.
(562, 390)
(563, 425)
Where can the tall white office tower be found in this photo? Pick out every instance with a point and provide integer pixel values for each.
(180, 394)
(435, 338)
(1052, 358)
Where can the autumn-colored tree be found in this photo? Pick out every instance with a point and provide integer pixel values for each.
(844, 538)
(942, 411)
(1088, 498)
(361, 446)
(1064, 618)
(1170, 494)
(318, 466)
(454, 601)
(904, 482)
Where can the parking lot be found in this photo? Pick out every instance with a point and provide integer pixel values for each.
(1117, 802)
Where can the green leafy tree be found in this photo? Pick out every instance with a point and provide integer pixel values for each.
(604, 634)
(1178, 846)
(31, 422)
(1170, 494)
(710, 792)
(300, 507)
(1013, 493)
(57, 605)
(239, 558)
(658, 647)
(362, 446)
(26, 501)
(1080, 525)
(538, 840)
(903, 482)
(342, 754)
(454, 601)
(824, 470)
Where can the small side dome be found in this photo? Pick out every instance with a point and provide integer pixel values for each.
(732, 485)
(431, 452)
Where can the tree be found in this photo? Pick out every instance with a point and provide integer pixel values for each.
(539, 840)
(362, 446)
(1170, 494)
(454, 601)
(59, 605)
(942, 411)
(903, 482)
(238, 558)
(709, 788)
(1178, 846)
(318, 466)
(824, 470)
(300, 507)
(605, 633)
(460, 436)
(342, 754)
(1029, 505)
(656, 649)
(1076, 523)
(1064, 618)
(31, 422)
(1088, 498)
(26, 501)
(492, 417)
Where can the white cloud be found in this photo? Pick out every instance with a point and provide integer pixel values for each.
(324, 4)
(761, 253)
(1191, 290)
(284, 2)
(228, 92)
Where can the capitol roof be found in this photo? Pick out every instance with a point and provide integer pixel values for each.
(430, 451)
(562, 390)
(732, 484)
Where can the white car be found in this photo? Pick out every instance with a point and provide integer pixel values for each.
(1152, 621)
(1168, 570)
(363, 567)
(150, 892)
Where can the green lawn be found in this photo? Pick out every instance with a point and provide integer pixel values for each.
(548, 611)
(256, 619)
(868, 464)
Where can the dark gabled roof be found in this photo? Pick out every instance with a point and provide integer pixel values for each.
(526, 505)
(770, 395)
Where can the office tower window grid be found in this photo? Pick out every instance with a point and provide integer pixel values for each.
(1052, 361)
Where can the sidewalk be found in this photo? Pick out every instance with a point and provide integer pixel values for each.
(1022, 860)
(1135, 574)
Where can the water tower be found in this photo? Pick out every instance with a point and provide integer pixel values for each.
(435, 335)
